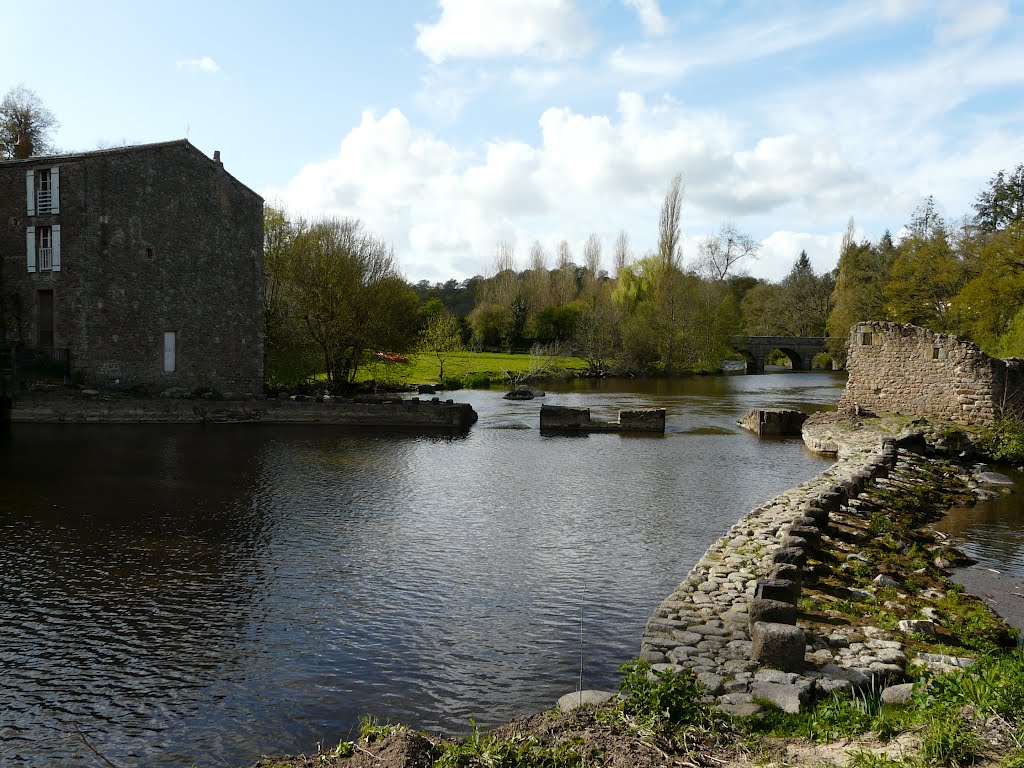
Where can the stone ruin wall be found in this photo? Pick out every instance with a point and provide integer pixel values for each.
(910, 370)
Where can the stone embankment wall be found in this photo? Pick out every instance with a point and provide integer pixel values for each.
(909, 370)
(733, 618)
(44, 408)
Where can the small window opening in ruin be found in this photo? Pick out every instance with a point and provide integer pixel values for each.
(935, 353)
(865, 339)
(149, 252)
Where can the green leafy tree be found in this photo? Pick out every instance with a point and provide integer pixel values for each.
(1010, 342)
(861, 275)
(23, 115)
(1002, 202)
(598, 336)
(715, 318)
(762, 310)
(441, 338)
(805, 299)
(989, 304)
(345, 292)
(923, 280)
(288, 354)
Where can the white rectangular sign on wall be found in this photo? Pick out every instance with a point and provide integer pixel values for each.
(170, 353)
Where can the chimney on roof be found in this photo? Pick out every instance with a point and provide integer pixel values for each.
(216, 156)
(22, 147)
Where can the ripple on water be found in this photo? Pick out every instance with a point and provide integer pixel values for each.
(196, 595)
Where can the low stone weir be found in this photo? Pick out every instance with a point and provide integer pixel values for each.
(376, 412)
(733, 619)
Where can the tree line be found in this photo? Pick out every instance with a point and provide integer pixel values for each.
(335, 297)
(656, 314)
(964, 277)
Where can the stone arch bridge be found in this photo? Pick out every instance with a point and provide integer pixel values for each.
(799, 349)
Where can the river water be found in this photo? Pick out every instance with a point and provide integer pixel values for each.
(993, 532)
(207, 594)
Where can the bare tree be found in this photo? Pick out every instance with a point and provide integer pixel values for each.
(622, 255)
(25, 124)
(720, 252)
(592, 254)
(504, 257)
(565, 274)
(538, 259)
(538, 281)
(849, 237)
(669, 249)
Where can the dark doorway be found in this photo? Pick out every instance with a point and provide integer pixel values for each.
(46, 319)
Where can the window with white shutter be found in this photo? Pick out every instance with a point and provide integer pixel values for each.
(42, 191)
(55, 248)
(30, 248)
(55, 190)
(30, 192)
(42, 248)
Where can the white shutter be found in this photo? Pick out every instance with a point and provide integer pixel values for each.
(55, 193)
(55, 245)
(30, 191)
(30, 248)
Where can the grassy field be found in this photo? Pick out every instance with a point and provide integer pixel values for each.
(473, 367)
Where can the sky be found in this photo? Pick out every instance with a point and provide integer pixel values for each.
(450, 126)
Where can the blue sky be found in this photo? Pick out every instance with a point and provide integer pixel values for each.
(449, 126)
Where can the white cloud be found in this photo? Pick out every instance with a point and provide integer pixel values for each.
(545, 29)
(742, 43)
(963, 21)
(445, 207)
(779, 251)
(651, 17)
(204, 64)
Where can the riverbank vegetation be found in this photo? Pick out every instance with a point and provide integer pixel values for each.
(335, 297)
(973, 716)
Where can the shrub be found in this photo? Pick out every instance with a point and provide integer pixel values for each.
(477, 380)
(822, 360)
(661, 698)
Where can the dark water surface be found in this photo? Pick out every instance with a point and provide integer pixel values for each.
(992, 532)
(207, 594)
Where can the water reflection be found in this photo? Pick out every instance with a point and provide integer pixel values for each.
(992, 532)
(208, 594)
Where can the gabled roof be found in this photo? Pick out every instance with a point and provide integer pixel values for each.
(95, 152)
(183, 143)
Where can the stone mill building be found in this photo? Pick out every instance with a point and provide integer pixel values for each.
(144, 263)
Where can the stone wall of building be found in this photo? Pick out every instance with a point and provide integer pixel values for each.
(154, 239)
(910, 370)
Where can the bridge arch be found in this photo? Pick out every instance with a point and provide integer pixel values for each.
(799, 349)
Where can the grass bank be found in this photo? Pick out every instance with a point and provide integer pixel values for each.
(660, 718)
(474, 369)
